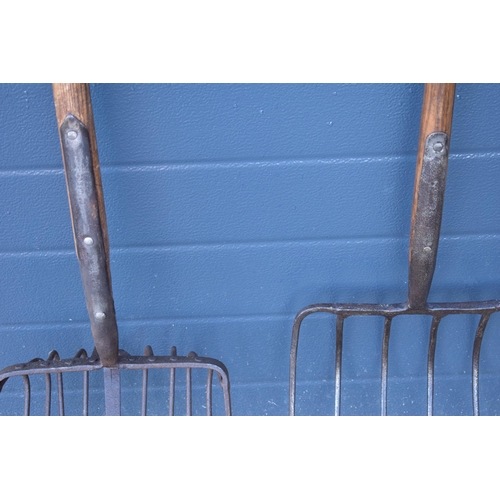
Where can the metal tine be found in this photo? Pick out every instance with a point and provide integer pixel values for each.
(47, 387)
(430, 364)
(475, 362)
(189, 387)
(338, 362)
(171, 399)
(297, 322)
(209, 392)
(27, 395)
(385, 366)
(48, 394)
(148, 351)
(82, 353)
(54, 356)
(224, 385)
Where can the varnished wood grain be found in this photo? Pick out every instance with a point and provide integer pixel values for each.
(74, 98)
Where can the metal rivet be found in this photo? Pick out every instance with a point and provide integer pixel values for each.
(438, 147)
(88, 241)
(99, 315)
(427, 249)
(72, 134)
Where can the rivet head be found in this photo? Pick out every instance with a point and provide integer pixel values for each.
(88, 241)
(438, 147)
(427, 249)
(99, 315)
(72, 134)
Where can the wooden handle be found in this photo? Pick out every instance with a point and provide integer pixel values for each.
(430, 183)
(74, 99)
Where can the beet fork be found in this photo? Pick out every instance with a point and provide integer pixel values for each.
(86, 201)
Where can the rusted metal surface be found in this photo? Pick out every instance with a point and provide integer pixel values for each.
(84, 364)
(88, 236)
(430, 182)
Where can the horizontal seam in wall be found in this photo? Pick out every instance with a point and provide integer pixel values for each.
(231, 163)
(250, 244)
(151, 321)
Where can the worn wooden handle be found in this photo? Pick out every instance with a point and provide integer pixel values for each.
(430, 183)
(74, 99)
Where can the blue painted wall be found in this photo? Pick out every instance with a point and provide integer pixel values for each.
(231, 207)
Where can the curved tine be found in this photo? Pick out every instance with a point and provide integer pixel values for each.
(338, 361)
(210, 374)
(297, 322)
(82, 353)
(95, 355)
(430, 365)
(53, 356)
(148, 351)
(27, 395)
(475, 362)
(385, 366)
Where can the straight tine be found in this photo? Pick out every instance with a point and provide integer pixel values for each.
(189, 393)
(60, 394)
(385, 366)
(144, 401)
(85, 405)
(189, 386)
(209, 392)
(27, 395)
(224, 383)
(112, 399)
(171, 399)
(475, 362)
(430, 365)
(338, 362)
(48, 394)
(82, 353)
(148, 351)
(54, 355)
